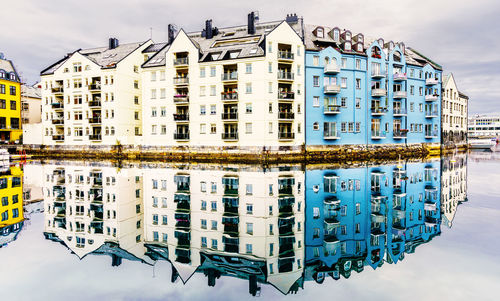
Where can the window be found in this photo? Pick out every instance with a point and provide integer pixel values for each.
(316, 101)
(248, 68)
(203, 242)
(248, 248)
(358, 83)
(212, 90)
(270, 67)
(248, 89)
(316, 212)
(316, 126)
(214, 225)
(202, 71)
(344, 62)
(203, 223)
(358, 103)
(315, 60)
(213, 205)
(212, 71)
(249, 108)
(248, 128)
(316, 81)
(358, 64)
(203, 110)
(153, 76)
(203, 205)
(164, 220)
(13, 105)
(250, 228)
(249, 209)
(249, 189)
(213, 128)
(343, 82)
(77, 67)
(343, 102)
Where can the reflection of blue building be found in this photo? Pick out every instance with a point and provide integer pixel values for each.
(368, 92)
(368, 215)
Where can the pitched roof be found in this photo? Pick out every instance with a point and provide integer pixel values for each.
(8, 66)
(31, 92)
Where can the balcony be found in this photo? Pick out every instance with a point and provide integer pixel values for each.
(286, 96)
(378, 111)
(229, 96)
(331, 89)
(95, 104)
(58, 90)
(95, 120)
(332, 68)
(331, 135)
(230, 136)
(433, 97)
(58, 121)
(398, 112)
(285, 76)
(229, 76)
(233, 116)
(181, 136)
(286, 136)
(377, 74)
(181, 117)
(378, 92)
(58, 137)
(378, 135)
(399, 94)
(284, 55)
(400, 134)
(181, 98)
(181, 62)
(286, 115)
(399, 77)
(431, 114)
(431, 134)
(181, 81)
(431, 81)
(95, 88)
(97, 137)
(57, 105)
(331, 109)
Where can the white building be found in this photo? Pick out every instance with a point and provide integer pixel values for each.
(454, 112)
(484, 126)
(93, 96)
(453, 186)
(232, 87)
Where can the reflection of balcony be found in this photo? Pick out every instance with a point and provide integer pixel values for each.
(431, 81)
(95, 120)
(378, 92)
(378, 134)
(332, 68)
(331, 135)
(331, 89)
(94, 103)
(58, 121)
(286, 115)
(229, 96)
(400, 134)
(431, 134)
(230, 136)
(58, 137)
(286, 136)
(95, 137)
(95, 87)
(57, 105)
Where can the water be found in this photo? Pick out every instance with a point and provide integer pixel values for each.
(408, 230)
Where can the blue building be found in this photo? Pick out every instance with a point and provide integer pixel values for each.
(368, 93)
(368, 215)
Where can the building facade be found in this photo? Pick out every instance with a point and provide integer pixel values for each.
(92, 97)
(11, 206)
(10, 102)
(455, 108)
(453, 186)
(484, 126)
(31, 104)
(368, 92)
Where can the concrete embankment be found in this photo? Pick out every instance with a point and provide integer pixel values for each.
(309, 154)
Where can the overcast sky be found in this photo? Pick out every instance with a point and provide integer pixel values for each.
(462, 36)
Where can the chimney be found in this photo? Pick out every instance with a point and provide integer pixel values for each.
(113, 43)
(251, 23)
(208, 29)
(171, 33)
(291, 18)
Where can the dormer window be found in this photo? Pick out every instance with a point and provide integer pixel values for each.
(360, 47)
(391, 45)
(12, 76)
(2, 74)
(347, 36)
(336, 34)
(320, 32)
(347, 46)
(381, 42)
(360, 38)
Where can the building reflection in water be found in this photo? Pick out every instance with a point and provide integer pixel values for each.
(453, 186)
(278, 226)
(11, 206)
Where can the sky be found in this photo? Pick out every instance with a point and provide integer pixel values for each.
(459, 35)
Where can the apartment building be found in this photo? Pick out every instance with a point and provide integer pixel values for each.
(366, 91)
(453, 186)
(92, 97)
(229, 87)
(455, 108)
(31, 104)
(11, 207)
(369, 215)
(10, 102)
(486, 126)
(237, 222)
(95, 210)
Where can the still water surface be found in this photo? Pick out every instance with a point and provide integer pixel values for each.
(408, 230)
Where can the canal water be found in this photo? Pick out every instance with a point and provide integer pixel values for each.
(409, 230)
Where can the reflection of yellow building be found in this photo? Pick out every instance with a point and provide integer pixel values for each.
(10, 102)
(11, 204)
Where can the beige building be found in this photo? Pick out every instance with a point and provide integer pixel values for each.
(31, 104)
(454, 112)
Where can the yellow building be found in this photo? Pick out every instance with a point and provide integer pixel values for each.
(11, 204)
(10, 102)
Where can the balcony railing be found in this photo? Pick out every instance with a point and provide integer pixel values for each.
(378, 134)
(282, 75)
(57, 105)
(230, 116)
(94, 103)
(431, 81)
(331, 109)
(181, 136)
(229, 96)
(229, 76)
(431, 134)
(332, 68)
(181, 117)
(230, 136)
(57, 90)
(58, 137)
(285, 55)
(97, 137)
(286, 95)
(286, 135)
(399, 94)
(181, 98)
(95, 120)
(332, 89)
(286, 115)
(331, 135)
(181, 80)
(378, 92)
(181, 61)
(431, 114)
(377, 74)
(95, 87)
(378, 110)
(57, 121)
(399, 112)
(399, 76)
(432, 97)
(400, 134)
